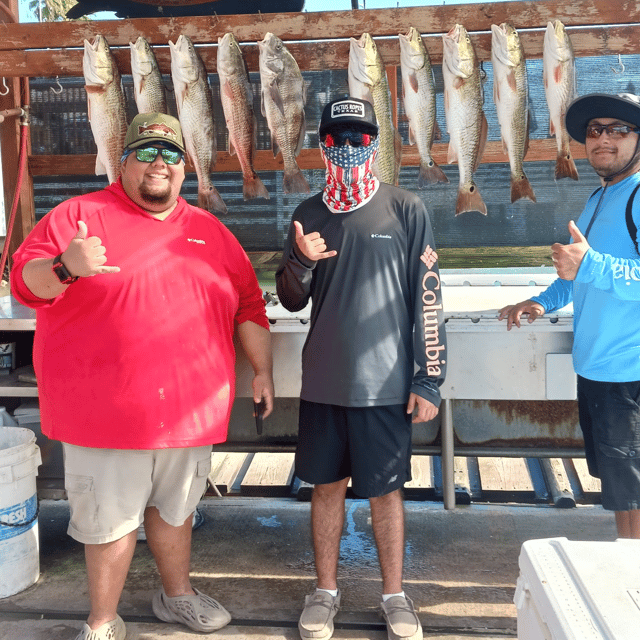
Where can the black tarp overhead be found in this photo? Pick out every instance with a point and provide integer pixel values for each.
(176, 8)
(60, 126)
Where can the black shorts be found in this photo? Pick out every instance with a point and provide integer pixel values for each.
(371, 445)
(610, 422)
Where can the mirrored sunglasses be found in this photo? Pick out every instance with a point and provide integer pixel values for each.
(356, 138)
(615, 131)
(149, 154)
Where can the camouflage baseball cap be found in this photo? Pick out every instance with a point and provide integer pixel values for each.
(154, 127)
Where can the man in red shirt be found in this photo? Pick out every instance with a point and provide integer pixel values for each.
(138, 296)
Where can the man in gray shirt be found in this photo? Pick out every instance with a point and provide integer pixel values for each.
(363, 252)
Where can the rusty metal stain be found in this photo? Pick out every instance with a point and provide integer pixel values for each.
(549, 413)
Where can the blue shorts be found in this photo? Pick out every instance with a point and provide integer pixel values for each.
(370, 445)
(610, 422)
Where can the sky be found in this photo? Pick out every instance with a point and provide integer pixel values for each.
(309, 5)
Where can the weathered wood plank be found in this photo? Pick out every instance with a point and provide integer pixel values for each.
(84, 164)
(227, 471)
(421, 486)
(317, 55)
(590, 486)
(320, 25)
(270, 474)
(504, 475)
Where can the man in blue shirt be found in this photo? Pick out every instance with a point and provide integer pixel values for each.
(600, 272)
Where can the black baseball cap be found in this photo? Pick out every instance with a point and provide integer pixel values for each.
(352, 111)
(623, 106)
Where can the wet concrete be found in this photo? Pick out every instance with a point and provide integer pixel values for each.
(254, 555)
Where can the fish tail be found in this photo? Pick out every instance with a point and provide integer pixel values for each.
(253, 187)
(565, 166)
(430, 173)
(210, 200)
(294, 181)
(469, 199)
(521, 188)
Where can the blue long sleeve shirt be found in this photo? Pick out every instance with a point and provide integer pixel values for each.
(606, 291)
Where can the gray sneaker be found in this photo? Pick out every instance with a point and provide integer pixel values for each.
(316, 621)
(401, 618)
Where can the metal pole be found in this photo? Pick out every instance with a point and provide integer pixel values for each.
(446, 433)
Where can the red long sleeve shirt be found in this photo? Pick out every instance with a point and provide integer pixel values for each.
(143, 358)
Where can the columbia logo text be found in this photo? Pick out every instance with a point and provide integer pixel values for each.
(196, 240)
(379, 235)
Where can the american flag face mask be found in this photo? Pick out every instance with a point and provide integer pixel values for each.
(350, 181)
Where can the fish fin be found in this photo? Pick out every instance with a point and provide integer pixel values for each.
(231, 150)
(101, 170)
(276, 96)
(452, 155)
(294, 182)
(275, 146)
(413, 82)
(210, 200)
(303, 127)
(253, 187)
(412, 136)
(430, 173)
(469, 199)
(483, 141)
(521, 188)
(566, 167)
(511, 80)
(552, 129)
(437, 132)
(458, 82)
(557, 74)
(262, 107)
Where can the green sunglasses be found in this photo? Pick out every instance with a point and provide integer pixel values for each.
(149, 154)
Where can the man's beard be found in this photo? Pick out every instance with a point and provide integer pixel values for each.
(155, 197)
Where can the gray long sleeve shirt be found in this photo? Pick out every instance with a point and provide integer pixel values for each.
(362, 349)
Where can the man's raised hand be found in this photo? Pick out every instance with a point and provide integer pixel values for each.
(312, 245)
(86, 256)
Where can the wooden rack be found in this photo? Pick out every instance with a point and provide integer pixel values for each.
(317, 40)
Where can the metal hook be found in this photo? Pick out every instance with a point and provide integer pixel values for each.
(260, 15)
(621, 65)
(4, 84)
(215, 15)
(59, 85)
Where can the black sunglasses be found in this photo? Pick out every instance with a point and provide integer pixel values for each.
(356, 138)
(615, 131)
(149, 154)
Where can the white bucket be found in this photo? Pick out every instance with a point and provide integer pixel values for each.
(19, 549)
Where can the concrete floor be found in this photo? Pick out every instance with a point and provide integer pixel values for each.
(254, 555)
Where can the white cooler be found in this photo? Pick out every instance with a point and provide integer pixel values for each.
(578, 590)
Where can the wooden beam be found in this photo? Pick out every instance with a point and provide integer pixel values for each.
(84, 164)
(326, 54)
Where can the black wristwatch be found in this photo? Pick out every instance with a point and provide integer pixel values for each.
(62, 272)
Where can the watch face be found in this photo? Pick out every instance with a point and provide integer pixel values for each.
(62, 272)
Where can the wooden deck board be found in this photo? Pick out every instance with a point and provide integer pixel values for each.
(269, 475)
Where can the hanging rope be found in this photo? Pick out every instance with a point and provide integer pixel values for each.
(22, 164)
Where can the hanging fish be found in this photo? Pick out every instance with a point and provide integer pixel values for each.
(368, 81)
(195, 112)
(511, 97)
(237, 103)
(284, 95)
(106, 106)
(466, 122)
(419, 99)
(559, 77)
(148, 87)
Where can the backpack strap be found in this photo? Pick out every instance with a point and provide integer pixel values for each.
(631, 225)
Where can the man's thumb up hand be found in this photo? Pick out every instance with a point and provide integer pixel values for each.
(576, 234)
(82, 230)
